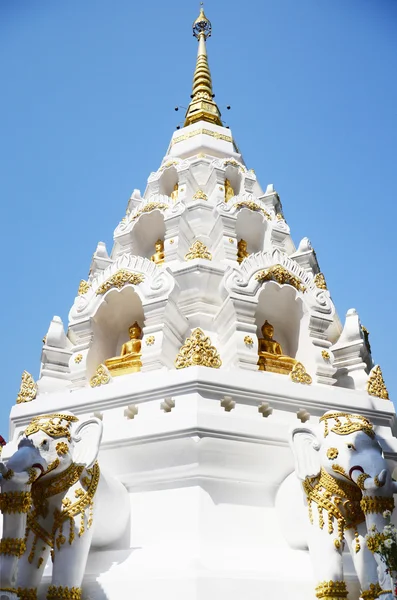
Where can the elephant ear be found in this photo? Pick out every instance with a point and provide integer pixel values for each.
(87, 439)
(305, 445)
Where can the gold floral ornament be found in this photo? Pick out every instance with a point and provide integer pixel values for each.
(200, 195)
(253, 206)
(332, 453)
(78, 358)
(320, 282)
(119, 280)
(376, 384)
(150, 340)
(374, 591)
(197, 350)
(198, 250)
(299, 375)
(248, 341)
(279, 274)
(101, 377)
(28, 390)
(83, 287)
(326, 355)
(62, 448)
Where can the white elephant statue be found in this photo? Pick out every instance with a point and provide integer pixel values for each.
(347, 488)
(64, 501)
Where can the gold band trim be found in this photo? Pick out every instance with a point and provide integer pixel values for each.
(201, 131)
(63, 593)
(12, 546)
(27, 594)
(15, 502)
(331, 589)
(376, 504)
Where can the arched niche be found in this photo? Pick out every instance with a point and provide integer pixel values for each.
(147, 230)
(168, 179)
(110, 324)
(235, 178)
(281, 307)
(251, 226)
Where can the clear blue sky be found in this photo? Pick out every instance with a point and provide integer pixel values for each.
(88, 90)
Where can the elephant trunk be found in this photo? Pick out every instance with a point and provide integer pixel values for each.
(15, 503)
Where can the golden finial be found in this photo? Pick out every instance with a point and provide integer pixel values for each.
(202, 106)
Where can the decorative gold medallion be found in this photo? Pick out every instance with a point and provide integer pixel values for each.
(326, 355)
(150, 340)
(28, 390)
(197, 350)
(119, 280)
(78, 358)
(200, 195)
(299, 375)
(279, 274)
(376, 384)
(198, 250)
(248, 341)
(83, 287)
(101, 377)
(320, 282)
(332, 453)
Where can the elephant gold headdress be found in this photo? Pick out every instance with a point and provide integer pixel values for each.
(345, 423)
(55, 425)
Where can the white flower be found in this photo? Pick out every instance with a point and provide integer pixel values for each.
(388, 543)
(387, 529)
(387, 514)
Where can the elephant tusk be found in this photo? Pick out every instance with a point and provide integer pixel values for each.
(355, 468)
(40, 467)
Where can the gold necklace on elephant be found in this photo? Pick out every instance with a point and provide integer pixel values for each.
(56, 485)
(44, 489)
(332, 495)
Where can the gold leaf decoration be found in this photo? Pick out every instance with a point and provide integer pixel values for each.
(282, 276)
(376, 384)
(119, 280)
(149, 207)
(83, 287)
(200, 195)
(299, 375)
(101, 377)
(197, 350)
(198, 250)
(320, 282)
(253, 206)
(28, 390)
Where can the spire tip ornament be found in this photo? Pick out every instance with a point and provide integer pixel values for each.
(202, 106)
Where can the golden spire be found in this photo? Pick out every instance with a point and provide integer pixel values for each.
(202, 107)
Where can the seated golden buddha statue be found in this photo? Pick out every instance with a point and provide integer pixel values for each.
(158, 256)
(174, 193)
(129, 360)
(242, 251)
(271, 357)
(229, 191)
